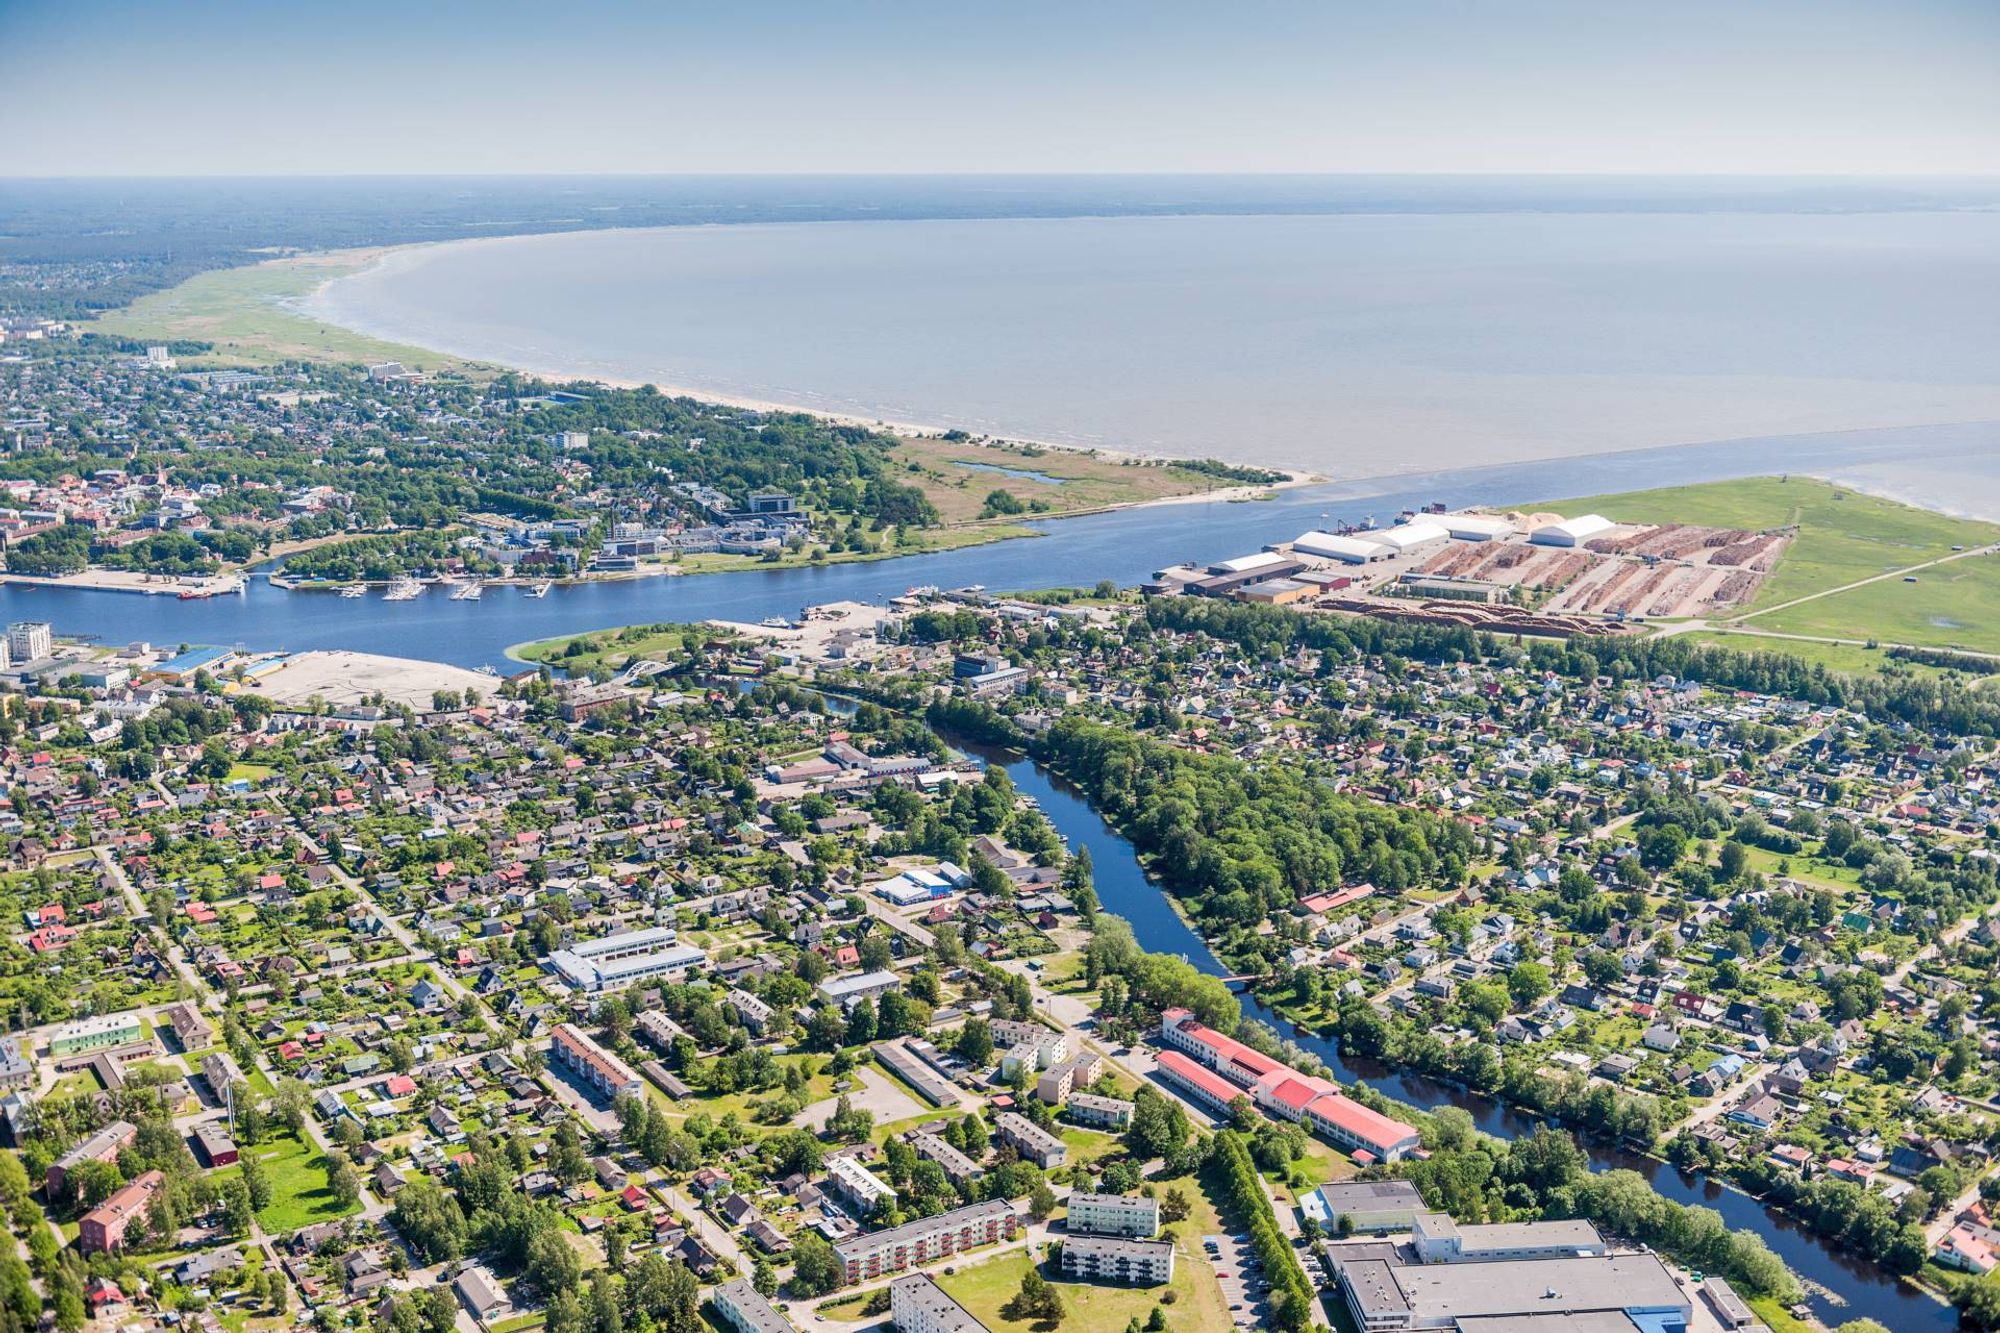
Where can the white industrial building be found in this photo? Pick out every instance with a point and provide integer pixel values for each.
(1572, 531)
(1247, 564)
(1333, 546)
(1477, 527)
(1407, 537)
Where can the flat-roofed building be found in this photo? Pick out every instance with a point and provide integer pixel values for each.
(622, 960)
(1368, 1205)
(1439, 1240)
(919, 1305)
(929, 1084)
(593, 1064)
(895, 1249)
(1034, 1143)
(1133, 1216)
(1384, 1292)
(1112, 1259)
(1113, 1113)
(746, 1311)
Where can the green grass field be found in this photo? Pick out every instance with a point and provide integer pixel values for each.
(1955, 605)
(244, 312)
(983, 1288)
(1843, 537)
(299, 1196)
(612, 648)
(1851, 659)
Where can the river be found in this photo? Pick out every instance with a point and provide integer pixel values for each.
(1841, 1286)
(1950, 467)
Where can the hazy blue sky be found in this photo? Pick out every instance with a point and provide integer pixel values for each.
(95, 87)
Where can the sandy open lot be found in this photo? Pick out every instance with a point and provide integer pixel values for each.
(344, 679)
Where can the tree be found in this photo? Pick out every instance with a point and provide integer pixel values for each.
(1175, 1206)
(343, 1180)
(1527, 983)
(848, 1122)
(236, 1210)
(256, 1180)
(1035, 1300)
(1041, 1201)
(974, 1043)
(815, 1268)
(429, 1220)
(764, 1278)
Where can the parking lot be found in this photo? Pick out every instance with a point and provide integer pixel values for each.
(1242, 1278)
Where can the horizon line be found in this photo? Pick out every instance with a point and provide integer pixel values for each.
(1119, 173)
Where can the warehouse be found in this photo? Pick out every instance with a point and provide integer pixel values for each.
(1271, 566)
(1347, 550)
(1450, 590)
(1407, 537)
(1477, 527)
(1276, 592)
(1572, 531)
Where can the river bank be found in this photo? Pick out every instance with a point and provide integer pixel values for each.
(1841, 1286)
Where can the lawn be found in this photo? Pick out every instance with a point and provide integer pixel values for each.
(1954, 605)
(299, 1196)
(983, 1288)
(1852, 659)
(613, 648)
(246, 313)
(957, 476)
(1843, 535)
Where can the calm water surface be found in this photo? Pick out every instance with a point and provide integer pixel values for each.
(1347, 345)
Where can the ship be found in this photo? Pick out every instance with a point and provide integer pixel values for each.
(404, 589)
(468, 593)
(353, 590)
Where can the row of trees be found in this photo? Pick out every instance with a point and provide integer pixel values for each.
(1235, 1175)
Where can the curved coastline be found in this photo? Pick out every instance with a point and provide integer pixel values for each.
(740, 314)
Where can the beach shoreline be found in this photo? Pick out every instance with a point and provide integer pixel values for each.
(369, 258)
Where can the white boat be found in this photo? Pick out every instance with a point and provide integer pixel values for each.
(775, 622)
(468, 593)
(353, 590)
(403, 590)
(540, 589)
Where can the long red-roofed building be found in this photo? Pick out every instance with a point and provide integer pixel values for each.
(1276, 1088)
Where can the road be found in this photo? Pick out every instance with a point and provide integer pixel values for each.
(1862, 583)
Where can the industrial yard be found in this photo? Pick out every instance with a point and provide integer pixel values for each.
(1525, 572)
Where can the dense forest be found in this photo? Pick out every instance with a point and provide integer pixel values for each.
(1238, 843)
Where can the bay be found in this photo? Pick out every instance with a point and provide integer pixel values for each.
(1346, 344)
